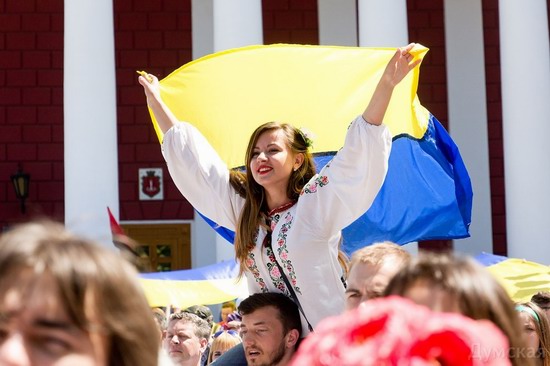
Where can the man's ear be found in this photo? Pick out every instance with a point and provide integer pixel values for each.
(203, 342)
(292, 338)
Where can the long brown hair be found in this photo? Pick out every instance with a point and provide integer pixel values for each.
(244, 183)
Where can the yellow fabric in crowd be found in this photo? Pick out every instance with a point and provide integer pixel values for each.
(183, 294)
(521, 278)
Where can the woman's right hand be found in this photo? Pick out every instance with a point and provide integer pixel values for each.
(165, 118)
(151, 87)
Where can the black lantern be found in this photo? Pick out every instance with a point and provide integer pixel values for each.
(20, 182)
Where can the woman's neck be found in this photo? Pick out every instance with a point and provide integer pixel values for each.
(276, 199)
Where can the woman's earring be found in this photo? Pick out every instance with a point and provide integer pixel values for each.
(295, 168)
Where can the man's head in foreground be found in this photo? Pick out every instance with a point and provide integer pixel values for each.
(270, 329)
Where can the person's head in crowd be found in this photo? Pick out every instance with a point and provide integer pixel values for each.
(186, 338)
(233, 321)
(371, 268)
(222, 341)
(536, 331)
(227, 308)
(455, 283)
(65, 300)
(270, 328)
(202, 312)
(160, 319)
(395, 331)
(542, 299)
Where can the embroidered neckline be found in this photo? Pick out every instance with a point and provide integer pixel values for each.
(281, 208)
(267, 239)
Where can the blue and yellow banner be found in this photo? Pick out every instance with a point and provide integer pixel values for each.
(207, 285)
(427, 193)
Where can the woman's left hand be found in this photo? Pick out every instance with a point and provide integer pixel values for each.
(400, 64)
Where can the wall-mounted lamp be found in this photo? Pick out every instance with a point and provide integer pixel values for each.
(20, 182)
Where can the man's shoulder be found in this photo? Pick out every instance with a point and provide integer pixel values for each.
(234, 357)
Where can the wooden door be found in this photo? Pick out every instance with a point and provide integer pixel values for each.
(168, 246)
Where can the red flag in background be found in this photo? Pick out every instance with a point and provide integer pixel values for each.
(120, 239)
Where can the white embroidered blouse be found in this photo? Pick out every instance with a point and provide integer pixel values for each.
(305, 237)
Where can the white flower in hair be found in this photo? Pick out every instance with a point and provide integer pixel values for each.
(308, 136)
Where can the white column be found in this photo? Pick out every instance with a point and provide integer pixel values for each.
(202, 27)
(219, 25)
(525, 73)
(337, 21)
(382, 23)
(237, 23)
(467, 105)
(90, 135)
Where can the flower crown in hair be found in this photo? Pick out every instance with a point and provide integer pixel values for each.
(308, 137)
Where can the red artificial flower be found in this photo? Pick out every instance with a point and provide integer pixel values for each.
(394, 331)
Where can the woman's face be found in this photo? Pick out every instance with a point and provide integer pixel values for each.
(272, 162)
(35, 329)
(218, 352)
(530, 332)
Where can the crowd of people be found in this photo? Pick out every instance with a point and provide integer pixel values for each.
(66, 301)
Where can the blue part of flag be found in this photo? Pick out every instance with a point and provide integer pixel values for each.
(222, 270)
(427, 195)
(488, 259)
(224, 232)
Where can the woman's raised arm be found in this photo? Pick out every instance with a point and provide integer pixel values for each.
(398, 67)
(164, 116)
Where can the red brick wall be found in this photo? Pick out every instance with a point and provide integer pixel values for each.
(31, 110)
(154, 36)
(494, 117)
(426, 26)
(290, 21)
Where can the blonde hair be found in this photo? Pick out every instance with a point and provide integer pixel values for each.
(96, 287)
(375, 254)
(223, 342)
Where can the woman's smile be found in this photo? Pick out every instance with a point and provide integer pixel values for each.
(264, 169)
(271, 161)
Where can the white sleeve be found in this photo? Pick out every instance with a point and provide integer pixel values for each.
(346, 187)
(200, 175)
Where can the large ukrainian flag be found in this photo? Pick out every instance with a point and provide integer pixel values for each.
(427, 193)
